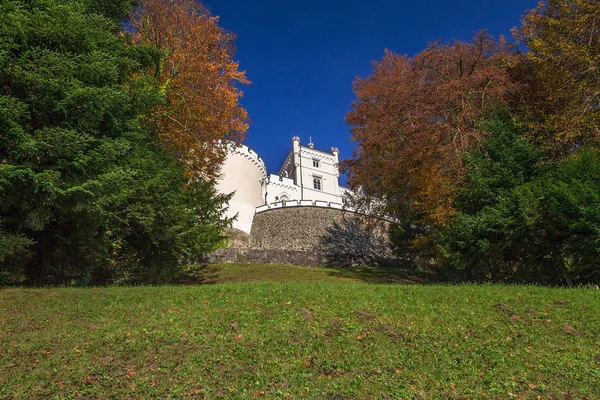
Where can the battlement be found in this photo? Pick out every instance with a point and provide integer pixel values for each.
(250, 154)
(302, 203)
(282, 181)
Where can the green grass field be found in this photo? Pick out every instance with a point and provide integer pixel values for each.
(238, 273)
(318, 335)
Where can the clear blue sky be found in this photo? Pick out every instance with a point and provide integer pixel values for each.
(302, 56)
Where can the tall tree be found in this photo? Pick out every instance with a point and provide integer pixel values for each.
(520, 219)
(562, 70)
(199, 79)
(86, 193)
(413, 118)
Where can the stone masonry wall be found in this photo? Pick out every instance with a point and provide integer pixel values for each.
(294, 236)
(293, 228)
(267, 256)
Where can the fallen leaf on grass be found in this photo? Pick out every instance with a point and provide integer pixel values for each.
(364, 314)
(569, 330)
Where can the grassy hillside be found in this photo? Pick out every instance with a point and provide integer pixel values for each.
(237, 273)
(336, 339)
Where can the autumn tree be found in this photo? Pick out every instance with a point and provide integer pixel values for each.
(561, 70)
(199, 79)
(414, 117)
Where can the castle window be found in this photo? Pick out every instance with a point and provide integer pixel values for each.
(317, 183)
(315, 163)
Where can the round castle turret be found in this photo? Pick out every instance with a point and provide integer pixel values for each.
(244, 173)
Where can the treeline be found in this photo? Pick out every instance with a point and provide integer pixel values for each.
(488, 151)
(106, 174)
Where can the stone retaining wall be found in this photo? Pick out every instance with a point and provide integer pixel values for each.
(293, 228)
(268, 256)
(307, 235)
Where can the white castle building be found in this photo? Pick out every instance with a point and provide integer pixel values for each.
(308, 177)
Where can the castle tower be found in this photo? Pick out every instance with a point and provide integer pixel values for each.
(336, 165)
(244, 174)
(297, 166)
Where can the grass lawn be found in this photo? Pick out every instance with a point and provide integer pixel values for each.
(236, 273)
(329, 338)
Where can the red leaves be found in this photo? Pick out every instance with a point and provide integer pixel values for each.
(413, 118)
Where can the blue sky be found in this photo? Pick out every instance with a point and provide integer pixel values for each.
(302, 56)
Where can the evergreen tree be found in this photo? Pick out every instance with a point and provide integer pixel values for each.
(522, 219)
(87, 193)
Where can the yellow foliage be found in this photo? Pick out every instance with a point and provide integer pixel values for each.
(562, 72)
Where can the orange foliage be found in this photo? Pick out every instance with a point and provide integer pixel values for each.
(414, 118)
(198, 77)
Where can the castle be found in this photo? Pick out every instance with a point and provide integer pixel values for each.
(297, 216)
(308, 177)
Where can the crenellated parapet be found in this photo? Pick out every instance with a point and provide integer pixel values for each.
(249, 154)
(302, 203)
(282, 182)
(318, 154)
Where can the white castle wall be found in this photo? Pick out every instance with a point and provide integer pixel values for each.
(244, 173)
(281, 188)
(327, 172)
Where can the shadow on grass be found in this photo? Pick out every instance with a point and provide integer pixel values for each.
(203, 274)
(384, 275)
(200, 274)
